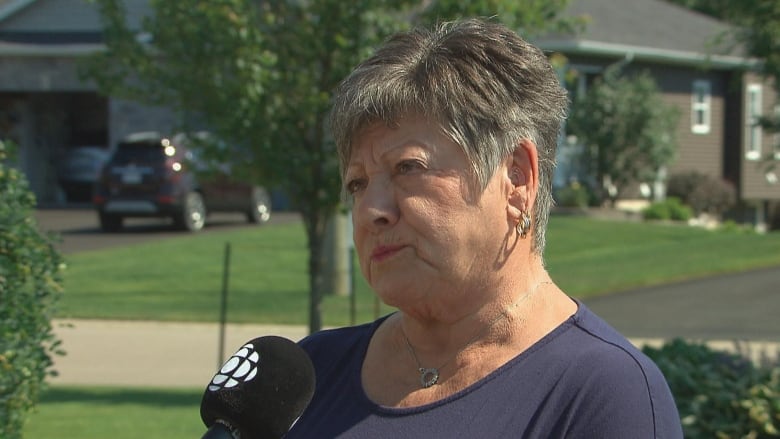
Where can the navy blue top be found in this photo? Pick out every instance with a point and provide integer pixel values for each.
(583, 380)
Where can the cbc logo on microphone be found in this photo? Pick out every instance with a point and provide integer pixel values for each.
(241, 367)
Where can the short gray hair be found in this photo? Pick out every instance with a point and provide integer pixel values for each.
(484, 85)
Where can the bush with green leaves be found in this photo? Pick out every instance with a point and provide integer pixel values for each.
(30, 284)
(573, 195)
(669, 209)
(719, 394)
(627, 130)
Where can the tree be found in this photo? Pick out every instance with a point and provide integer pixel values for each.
(627, 130)
(30, 270)
(259, 75)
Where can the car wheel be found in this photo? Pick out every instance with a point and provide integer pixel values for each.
(193, 215)
(261, 207)
(110, 223)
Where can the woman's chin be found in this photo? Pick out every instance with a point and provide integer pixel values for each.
(399, 294)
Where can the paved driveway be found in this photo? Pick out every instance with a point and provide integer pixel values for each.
(78, 228)
(742, 306)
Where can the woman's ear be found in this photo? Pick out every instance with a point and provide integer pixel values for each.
(524, 175)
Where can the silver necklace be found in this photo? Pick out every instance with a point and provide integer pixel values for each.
(429, 376)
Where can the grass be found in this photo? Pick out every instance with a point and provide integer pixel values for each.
(102, 412)
(181, 278)
(591, 257)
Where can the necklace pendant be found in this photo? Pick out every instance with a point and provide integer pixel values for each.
(428, 376)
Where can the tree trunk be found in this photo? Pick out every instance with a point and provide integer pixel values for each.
(315, 231)
(315, 275)
(335, 251)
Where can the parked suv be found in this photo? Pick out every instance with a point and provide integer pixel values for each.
(150, 175)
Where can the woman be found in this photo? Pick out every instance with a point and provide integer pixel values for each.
(447, 143)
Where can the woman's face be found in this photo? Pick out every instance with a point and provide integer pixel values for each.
(425, 236)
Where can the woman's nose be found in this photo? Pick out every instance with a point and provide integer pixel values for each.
(376, 207)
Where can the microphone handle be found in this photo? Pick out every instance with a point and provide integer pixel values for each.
(219, 431)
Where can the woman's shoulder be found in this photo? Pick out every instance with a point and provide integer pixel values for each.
(591, 340)
(597, 337)
(337, 342)
(617, 376)
(606, 356)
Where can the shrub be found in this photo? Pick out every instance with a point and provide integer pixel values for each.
(669, 209)
(678, 211)
(682, 184)
(573, 195)
(715, 196)
(731, 226)
(718, 394)
(30, 281)
(704, 193)
(656, 211)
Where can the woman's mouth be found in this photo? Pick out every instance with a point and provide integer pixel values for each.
(383, 252)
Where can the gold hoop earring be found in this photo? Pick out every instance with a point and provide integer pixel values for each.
(524, 225)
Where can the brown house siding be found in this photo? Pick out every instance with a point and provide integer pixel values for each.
(733, 129)
(701, 152)
(754, 184)
(721, 151)
(696, 152)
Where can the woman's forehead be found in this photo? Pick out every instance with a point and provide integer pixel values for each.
(380, 137)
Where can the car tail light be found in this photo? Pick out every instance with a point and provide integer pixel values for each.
(165, 199)
(98, 199)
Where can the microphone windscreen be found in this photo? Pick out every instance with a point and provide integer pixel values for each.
(261, 390)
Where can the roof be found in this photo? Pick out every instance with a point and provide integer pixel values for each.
(9, 7)
(57, 27)
(650, 30)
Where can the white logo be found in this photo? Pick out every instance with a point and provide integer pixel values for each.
(241, 367)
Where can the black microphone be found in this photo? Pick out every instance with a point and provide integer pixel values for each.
(259, 392)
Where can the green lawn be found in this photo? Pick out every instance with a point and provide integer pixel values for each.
(99, 413)
(181, 278)
(592, 257)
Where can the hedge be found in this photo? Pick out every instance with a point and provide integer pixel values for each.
(30, 284)
(718, 394)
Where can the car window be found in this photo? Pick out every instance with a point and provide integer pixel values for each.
(138, 153)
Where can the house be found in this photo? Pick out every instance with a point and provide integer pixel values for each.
(48, 109)
(45, 106)
(696, 69)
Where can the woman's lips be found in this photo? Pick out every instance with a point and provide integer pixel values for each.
(384, 252)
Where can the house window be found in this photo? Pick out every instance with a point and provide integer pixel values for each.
(701, 106)
(753, 115)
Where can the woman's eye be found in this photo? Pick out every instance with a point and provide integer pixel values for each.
(355, 185)
(408, 166)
